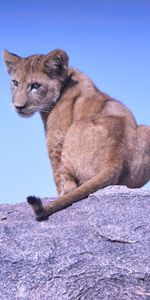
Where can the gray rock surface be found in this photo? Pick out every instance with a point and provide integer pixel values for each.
(99, 248)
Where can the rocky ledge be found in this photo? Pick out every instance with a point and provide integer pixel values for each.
(98, 248)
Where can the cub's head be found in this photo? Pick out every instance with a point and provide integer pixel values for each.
(37, 80)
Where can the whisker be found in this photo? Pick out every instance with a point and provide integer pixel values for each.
(41, 108)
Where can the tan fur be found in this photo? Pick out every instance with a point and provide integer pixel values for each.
(93, 140)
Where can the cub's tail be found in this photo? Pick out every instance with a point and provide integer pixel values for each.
(109, 176)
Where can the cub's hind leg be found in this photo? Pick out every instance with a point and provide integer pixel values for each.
(139, 158)
(143, 137)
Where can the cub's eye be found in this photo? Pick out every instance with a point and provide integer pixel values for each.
(15, 82)
(35, 85)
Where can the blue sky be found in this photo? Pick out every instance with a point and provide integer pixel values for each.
(107, 39)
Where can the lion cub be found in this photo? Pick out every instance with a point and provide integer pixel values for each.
(93, 140)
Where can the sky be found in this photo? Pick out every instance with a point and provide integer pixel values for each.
(109, 40)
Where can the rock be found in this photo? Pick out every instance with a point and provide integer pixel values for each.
(98, 248)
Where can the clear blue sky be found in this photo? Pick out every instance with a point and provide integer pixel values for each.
(107, 39)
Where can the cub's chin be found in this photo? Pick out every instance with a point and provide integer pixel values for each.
(25, 115)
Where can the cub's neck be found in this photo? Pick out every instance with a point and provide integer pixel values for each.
(77, 95)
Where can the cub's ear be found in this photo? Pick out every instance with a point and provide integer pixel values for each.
(11, 61)
(56, 63)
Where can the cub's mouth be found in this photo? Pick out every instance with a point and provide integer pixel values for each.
(27, 110)
(23, 112)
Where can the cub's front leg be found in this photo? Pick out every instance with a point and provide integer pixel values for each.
(55, 158)
(64, 180)
(68, 182)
